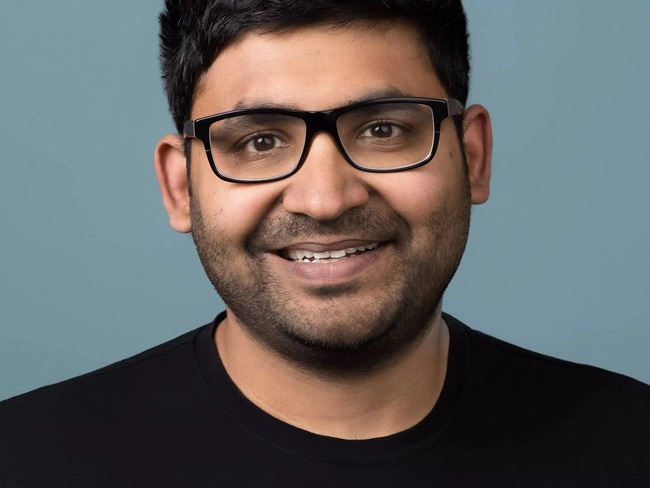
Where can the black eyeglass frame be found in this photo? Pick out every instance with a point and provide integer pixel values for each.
(323, 121)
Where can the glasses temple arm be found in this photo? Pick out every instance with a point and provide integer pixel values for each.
(188, 129)
(454, 107)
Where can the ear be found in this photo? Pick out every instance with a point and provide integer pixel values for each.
(169, 161)
(477, 139)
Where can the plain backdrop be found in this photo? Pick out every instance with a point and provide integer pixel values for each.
(90, 272)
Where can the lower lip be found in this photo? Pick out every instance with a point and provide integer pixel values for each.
(340, 270)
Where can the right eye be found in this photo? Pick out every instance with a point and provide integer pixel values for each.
(261, 143)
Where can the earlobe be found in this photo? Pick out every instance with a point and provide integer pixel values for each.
(169, 162)
(477, 139)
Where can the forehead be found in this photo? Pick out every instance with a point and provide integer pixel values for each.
(316, 68)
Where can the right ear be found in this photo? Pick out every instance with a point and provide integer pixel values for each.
(171, 171)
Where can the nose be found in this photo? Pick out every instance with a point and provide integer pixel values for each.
(326, 185)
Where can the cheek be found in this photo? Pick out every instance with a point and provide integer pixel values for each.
(419, 194)
(232, 210)
(235, 209)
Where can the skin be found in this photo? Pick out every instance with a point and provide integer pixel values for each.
(363, 335)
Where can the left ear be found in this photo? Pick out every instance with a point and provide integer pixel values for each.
(477, 139)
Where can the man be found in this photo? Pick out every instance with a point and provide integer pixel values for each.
(326, 167)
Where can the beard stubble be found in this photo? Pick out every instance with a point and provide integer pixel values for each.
(345, 334)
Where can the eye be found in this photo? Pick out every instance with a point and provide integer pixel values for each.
(262, 143)
(381, 130)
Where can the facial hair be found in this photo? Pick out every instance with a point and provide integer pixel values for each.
(345, 334)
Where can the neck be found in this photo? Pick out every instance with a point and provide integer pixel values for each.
(386, 401)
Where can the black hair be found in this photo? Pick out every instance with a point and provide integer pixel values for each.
(194, 32)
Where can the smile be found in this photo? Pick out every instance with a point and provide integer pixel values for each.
(305, 256)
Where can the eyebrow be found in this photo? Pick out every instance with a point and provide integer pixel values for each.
(388, 92)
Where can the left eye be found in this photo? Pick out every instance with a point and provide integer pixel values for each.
(381, 130)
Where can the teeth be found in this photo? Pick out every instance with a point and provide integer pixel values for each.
(323, 257)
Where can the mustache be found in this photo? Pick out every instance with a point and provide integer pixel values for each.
(358, 222)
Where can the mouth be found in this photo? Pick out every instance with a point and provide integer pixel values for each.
(325, 255)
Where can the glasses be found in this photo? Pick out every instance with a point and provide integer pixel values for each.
(267, 144)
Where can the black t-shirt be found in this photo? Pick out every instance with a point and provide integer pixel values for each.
(171, 417)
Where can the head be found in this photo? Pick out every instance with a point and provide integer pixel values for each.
(402, 234)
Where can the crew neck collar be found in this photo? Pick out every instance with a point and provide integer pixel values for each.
(262, 425)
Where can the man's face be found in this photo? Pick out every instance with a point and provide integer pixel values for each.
(404, 233)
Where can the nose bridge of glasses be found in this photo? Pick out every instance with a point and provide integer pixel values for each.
(321, 122)
(326, 186)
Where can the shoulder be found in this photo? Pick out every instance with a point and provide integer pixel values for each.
(542, 371)
(545, 419)
(511, 363)
(97, 394)
(526, 391)
(130, 414)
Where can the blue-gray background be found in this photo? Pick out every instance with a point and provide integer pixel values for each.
(558, 260)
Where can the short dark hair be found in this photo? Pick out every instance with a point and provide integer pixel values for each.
(194, 32)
